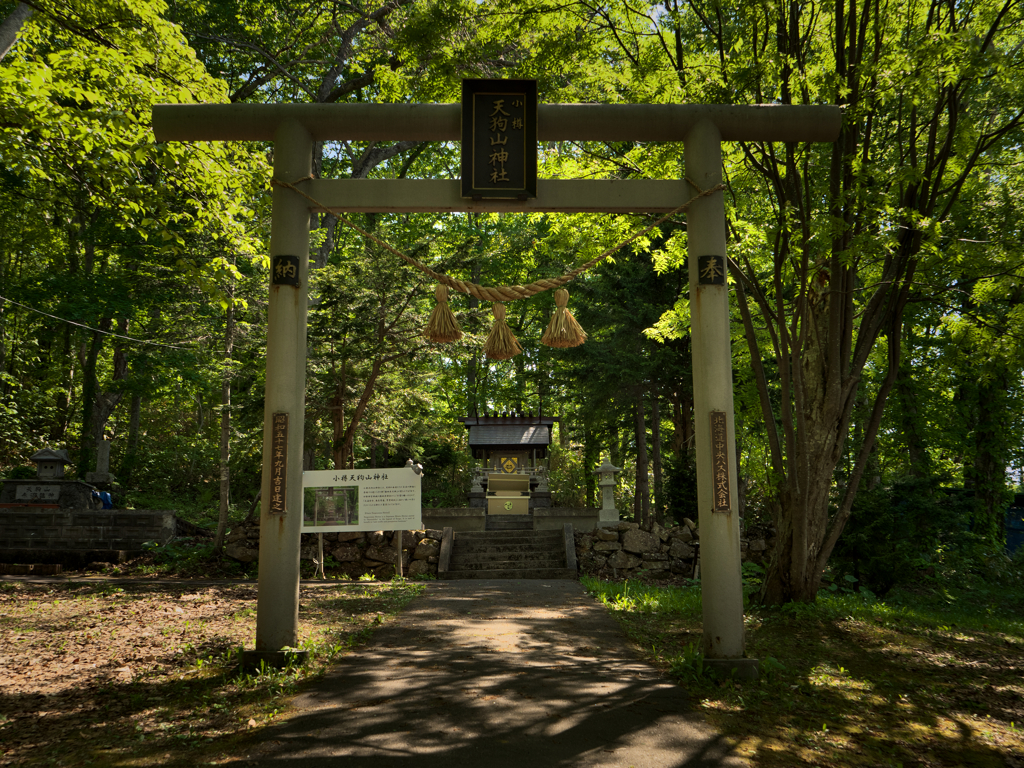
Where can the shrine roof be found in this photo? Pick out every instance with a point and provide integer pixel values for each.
(48, 454)
(509, 435)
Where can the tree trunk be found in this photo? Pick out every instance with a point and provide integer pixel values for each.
(349, 437)
(917, 454)
(986, 474)
(11, 26)
(132, 450)
(338, 422)
(659, 485)
(106, 402)
(616, 454)
(225, 427)
(87, 447)
(591, 457)
(642, 503)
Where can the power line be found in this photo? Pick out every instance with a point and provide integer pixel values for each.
(90, 328)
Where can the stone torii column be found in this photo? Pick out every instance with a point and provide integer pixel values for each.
(294, 127)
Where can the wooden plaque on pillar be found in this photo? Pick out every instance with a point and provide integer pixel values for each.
(720, 462)
(279, 465)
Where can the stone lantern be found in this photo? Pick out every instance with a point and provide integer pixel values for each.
(50, 464)
(606, 472)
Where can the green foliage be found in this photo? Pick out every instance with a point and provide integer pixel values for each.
(688, 666)
(753, 577)
(681, 486)
(568, 477)
(897, 531)
(634, 596)
(104, 227)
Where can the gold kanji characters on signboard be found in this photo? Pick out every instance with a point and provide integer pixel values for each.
(712, 271)
(720, 462)
(499, 120)
(279, 467)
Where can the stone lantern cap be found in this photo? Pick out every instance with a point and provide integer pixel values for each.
(50, 463)
(607, 470)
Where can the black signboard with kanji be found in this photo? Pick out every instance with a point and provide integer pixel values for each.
(285, 270)
(499, 139)
(710, 270)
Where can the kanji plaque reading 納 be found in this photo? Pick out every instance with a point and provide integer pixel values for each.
(499, 138)
(279, 465)
(286, 270)
(720, 462)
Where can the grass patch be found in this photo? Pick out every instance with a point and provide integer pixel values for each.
(147, 675)
(931, 676)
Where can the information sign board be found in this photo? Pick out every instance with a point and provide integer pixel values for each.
(361, 500)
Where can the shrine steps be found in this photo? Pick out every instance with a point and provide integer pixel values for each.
(509, 554)
(509, 522)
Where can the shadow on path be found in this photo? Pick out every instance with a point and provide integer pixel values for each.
(494, 673)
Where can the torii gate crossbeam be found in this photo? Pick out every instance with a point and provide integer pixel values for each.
(294, 127)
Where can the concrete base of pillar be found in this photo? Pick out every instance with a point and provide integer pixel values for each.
(252, 660)
(738, 669)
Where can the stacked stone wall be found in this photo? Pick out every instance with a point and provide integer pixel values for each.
(354, 553)
(625, 550)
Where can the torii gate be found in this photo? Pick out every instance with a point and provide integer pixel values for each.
(294, 127)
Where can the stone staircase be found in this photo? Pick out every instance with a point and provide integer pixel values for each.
(508, 522)
(508, 554)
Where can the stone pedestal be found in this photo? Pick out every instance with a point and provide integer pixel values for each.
(51, 494)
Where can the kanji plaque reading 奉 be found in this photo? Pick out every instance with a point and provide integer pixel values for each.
(720, 462)
(710, 270)
(499, 138)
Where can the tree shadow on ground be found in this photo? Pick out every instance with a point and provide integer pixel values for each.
(494, 674)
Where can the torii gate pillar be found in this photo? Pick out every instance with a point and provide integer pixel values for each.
(277, 605)
(721, 587)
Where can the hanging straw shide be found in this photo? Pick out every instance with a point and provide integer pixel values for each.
(442, 326)
(563, 330)
(501, 344)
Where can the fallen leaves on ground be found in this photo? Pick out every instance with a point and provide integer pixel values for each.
(122, 675)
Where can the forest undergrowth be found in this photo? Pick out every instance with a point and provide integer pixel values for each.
(931, 676)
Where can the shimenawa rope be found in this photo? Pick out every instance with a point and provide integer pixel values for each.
(563, 331)
(508, 292)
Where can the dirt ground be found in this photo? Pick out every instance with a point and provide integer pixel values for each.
(94, 674)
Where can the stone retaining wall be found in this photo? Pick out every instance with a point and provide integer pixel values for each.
(355, 553)
(625, 550)
(42, 534)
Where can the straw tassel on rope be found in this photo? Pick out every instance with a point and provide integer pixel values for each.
(501, 344)
(563, 330)
(442, 326)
